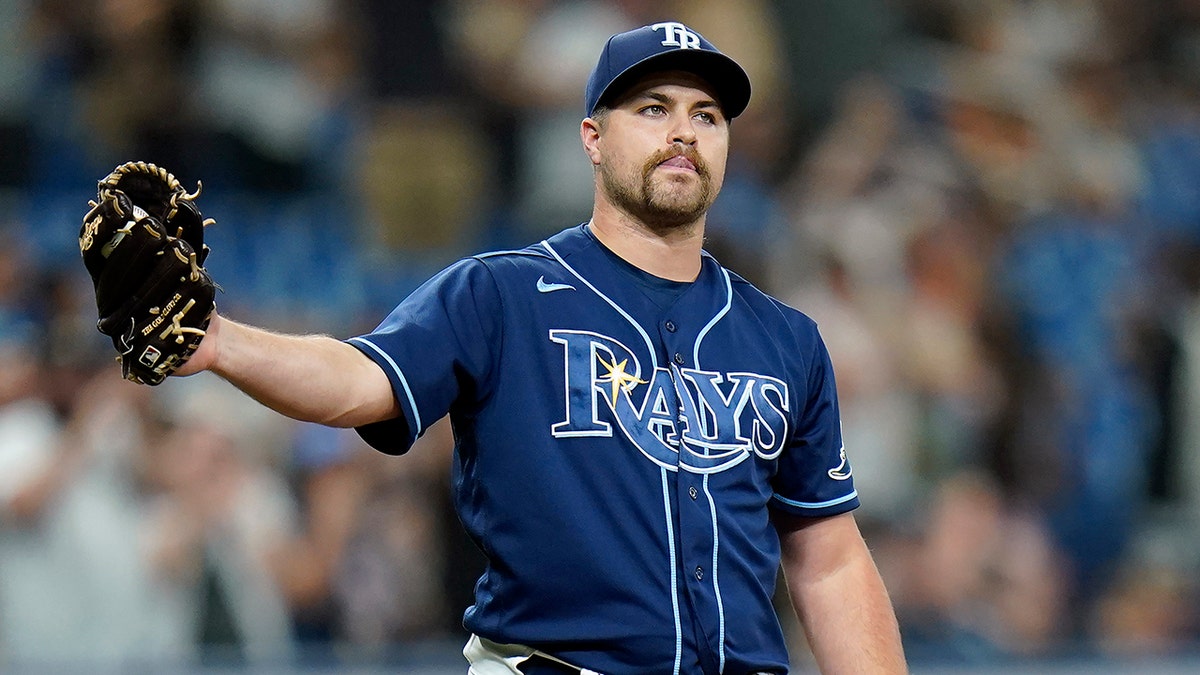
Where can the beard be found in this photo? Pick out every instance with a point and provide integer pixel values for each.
(662, 204)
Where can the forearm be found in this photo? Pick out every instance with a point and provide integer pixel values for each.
(314, 378)
(849, 621)
(841, 601)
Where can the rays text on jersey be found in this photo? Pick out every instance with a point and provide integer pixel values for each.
(698, 420)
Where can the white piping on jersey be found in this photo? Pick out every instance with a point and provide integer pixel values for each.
(816, 505)
(674, 578)
(712, 509)
(662, 469)
(517, 251)
(712, 504)
(641, 331)
(720, 315)
(666, 486)
(417, 430)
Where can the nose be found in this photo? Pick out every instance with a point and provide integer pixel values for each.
(683, 131)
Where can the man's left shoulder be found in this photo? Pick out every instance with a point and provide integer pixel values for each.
(766, 305)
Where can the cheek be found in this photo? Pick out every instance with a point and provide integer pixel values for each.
(716, 167)
(714, 148)
(622, 161)
(716, 181)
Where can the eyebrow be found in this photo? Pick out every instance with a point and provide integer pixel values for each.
(665, 99)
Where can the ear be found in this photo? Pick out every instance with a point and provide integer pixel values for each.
(589, 134)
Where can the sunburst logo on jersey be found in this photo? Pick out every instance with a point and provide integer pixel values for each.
(617, 377)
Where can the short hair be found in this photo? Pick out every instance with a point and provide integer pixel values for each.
(600, 114)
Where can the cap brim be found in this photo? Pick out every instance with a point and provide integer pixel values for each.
(729, 82)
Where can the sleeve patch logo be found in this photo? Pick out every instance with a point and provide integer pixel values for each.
(841, 471)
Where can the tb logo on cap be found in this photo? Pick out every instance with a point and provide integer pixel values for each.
(677, 35)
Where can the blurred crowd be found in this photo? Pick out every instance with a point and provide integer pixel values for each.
(991, 208)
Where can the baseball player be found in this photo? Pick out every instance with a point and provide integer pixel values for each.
(641, 435)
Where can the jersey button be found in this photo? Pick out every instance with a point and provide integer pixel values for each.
(692, 492)
(670, 326)
(699, 574)
(678, 358)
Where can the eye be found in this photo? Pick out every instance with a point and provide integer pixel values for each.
(654, 110)
(706, 117)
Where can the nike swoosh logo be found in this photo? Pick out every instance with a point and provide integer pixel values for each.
(544, 286)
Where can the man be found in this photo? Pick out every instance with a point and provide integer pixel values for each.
(640, 434)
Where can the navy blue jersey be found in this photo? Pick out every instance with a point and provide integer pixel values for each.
(619, 445)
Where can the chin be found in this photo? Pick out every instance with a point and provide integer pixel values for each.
(683, 206)
(664, 218)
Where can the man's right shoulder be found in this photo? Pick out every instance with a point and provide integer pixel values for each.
(533, 256)
(526, 255)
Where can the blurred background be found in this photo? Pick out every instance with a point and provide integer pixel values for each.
(991, 207)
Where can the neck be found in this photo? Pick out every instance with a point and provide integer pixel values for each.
(673, 255)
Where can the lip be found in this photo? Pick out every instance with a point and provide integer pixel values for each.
(680, 163)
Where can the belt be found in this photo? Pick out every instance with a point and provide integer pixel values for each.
(537, 664)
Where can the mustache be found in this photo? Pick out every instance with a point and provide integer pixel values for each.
(678, 150)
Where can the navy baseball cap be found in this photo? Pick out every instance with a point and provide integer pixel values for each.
(665, 46)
